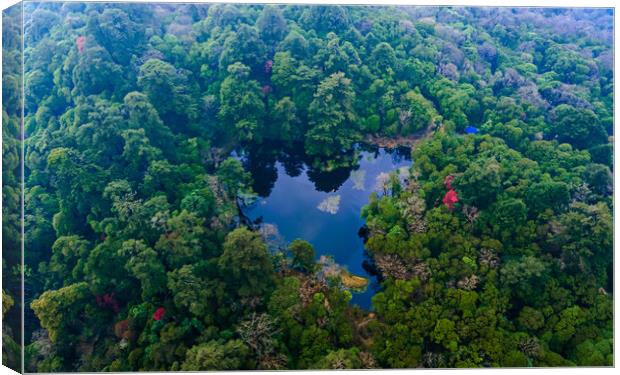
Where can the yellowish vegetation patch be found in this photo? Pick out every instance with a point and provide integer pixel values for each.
(352, 281)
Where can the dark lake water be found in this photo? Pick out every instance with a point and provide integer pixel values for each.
(324, 208)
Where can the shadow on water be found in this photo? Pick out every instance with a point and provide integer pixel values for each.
(329, 181)
(326, 174)
(320, 200)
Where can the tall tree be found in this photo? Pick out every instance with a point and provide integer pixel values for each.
(241, 104)
(332, 117)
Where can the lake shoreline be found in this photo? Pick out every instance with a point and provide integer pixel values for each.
(300, 204)
(399, 141)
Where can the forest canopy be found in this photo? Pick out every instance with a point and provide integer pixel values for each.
(496, 250)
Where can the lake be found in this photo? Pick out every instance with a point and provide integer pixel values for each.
(323, 208)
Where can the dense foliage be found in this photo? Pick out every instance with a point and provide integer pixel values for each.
(11, 189)
(495, 251)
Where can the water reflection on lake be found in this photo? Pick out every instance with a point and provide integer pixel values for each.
(324, 208)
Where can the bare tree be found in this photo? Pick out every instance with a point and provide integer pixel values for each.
(258, 333)
(403, 117)
(468, 282)
(530, 347)
(391, 265)
(471, 213)
(488, 258)
(368, 360)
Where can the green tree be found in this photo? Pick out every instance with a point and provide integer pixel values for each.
(217, 356)
(332, 117)
(579, 127)
(241, 104)
(383, 57)
(341, 359)
(61, 311)
(233, 177)
(144, 264)
(295, 44)
(480, 183)
(245, 47)
(245, 264)
(105, 28)
(287, 125)
(417, 115)
(547, 194)
(325, 18)
(95, 72)
(190, 290)
(444, 333)
(68, 256)
(271, 25)
(295, 80)
(183, 241)
(303, 255)
(143, 115)
(169, 91)
(599, 178)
